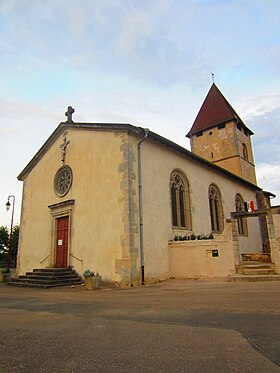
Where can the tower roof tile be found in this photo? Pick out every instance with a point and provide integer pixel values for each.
(214, 110)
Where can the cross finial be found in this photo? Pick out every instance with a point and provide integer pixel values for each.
(69, 113)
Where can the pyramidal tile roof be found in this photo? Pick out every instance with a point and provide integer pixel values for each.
(214, 110)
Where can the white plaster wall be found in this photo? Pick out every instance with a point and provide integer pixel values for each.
(158, 162)
(97, 216)
(252, 245)
(191, 259)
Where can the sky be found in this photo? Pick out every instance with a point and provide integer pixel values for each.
(144, 62)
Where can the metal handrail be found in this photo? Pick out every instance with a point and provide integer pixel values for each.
(44, 259)
(80, 260)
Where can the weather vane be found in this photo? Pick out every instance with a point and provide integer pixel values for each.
(213, 77)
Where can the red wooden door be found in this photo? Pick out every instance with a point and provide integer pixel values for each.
(62, 242)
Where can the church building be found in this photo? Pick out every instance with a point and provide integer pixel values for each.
(136, 207)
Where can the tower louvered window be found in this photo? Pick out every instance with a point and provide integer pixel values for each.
(245, 152)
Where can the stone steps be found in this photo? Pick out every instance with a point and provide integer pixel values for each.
(47, 278)
(255, 271)
(253, 278)
(258, 272)
(256, 268)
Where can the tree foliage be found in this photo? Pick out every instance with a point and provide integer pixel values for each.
(4, 242)
(14, 246)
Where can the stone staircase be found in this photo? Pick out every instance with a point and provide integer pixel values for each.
(255, 271)
(45, 278)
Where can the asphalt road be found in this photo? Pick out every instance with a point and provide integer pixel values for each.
(174, 326)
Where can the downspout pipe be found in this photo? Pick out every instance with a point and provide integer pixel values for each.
(140, 186)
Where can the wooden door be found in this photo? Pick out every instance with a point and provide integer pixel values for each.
(62, 226)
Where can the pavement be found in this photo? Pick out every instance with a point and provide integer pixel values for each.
(172, 326)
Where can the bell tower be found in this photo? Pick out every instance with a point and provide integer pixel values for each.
(220, 136)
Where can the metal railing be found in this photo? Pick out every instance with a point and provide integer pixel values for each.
(80, 260)
(44, 259)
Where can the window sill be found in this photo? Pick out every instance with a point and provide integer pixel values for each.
(181, 231)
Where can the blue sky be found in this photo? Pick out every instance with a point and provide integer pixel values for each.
(144, 62)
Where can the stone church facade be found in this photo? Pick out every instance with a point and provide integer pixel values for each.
(127, 203)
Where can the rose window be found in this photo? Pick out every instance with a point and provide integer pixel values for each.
(63, 180)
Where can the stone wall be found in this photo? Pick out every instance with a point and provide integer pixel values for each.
(196, 259)
(276, 223)
(98, 205)
(223, 146)
(204, 258)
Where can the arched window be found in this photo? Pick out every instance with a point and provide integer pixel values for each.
(241, 222)
(216, 209)
(180, 201)
(245, 152)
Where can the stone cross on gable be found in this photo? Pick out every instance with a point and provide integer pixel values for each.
(63, 147)
(69, 113)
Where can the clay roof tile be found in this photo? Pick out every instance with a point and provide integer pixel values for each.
(214, 110)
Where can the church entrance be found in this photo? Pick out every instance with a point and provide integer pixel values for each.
(62, 226)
